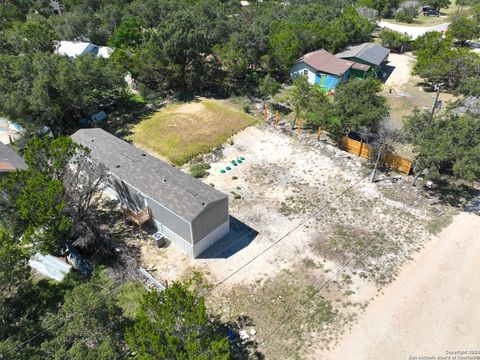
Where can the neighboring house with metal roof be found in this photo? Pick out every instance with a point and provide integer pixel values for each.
(10, 161)
(73, 49)
(370, 54)
(185, 210)
(325, 69)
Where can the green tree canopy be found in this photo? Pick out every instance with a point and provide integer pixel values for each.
(175, 325)
(53, 90)
(463, 28)
(33, 206)
(439, 62)
(358, 105)
(448, 146)
(88, 325)
(33, 35)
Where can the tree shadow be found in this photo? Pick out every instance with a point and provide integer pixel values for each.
(120, 123)
(243, 348)
(455, 195)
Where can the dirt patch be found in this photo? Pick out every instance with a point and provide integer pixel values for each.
(430, 308)
(312, 208)
(190, 108)
(404, 91)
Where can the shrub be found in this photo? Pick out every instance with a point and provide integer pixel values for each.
(199, 170)
(394, 40)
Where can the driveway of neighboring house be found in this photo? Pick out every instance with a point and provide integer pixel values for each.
(430, 309)
(413, 31)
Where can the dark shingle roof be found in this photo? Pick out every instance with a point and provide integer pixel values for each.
(10, 160)
(369, 52)
(180, 193)
(323, 61)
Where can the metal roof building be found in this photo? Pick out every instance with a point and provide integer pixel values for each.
(369, 53)
(322, 60)
(188, 212)
(9, 160)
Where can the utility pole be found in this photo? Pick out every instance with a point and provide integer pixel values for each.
(438, 86)
(379, 155)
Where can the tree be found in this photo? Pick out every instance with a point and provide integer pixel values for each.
(300, 97)
(394, 40)
(174, 324)
(268, 87)
(82, 182)
(470, 86)
(33, 35)
(33, 206)
(128, 34)
(436, 4)
(407, 12)
(88, 325)
(13, 267)
(462, 28)
(438, 62)
(47, 89)
(448, 146)
(383, 141)
(358, 105)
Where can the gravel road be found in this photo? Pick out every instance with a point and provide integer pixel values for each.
(431, 308)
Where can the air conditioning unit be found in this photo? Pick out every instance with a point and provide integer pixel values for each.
(159, 240)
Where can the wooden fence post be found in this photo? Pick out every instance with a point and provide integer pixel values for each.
(299, 126)
(319, 133)
(276, 119)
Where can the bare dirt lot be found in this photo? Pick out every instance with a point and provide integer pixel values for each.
(430, 309)
(405, 91)
(326, 240)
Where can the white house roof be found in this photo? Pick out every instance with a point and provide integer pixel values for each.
(104, 51)
(73, 49)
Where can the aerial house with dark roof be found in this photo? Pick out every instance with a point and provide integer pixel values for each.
(191, 214)
(325, 69)
(369, 54)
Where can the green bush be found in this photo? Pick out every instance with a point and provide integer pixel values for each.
(199, 170)
(404, 17)
(394, 40)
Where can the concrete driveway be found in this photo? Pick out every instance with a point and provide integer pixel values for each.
(413, 31)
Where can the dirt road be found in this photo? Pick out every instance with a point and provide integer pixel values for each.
(431, 308)
(413, 31)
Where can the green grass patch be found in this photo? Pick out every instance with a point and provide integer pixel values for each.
(182, 131)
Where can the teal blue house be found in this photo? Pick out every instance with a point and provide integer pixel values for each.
(325, 69)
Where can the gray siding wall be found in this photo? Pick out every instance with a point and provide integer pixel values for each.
(210, 220)
(130, 196)
(170, 220)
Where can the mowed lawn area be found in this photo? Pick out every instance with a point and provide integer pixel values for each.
(179, 132)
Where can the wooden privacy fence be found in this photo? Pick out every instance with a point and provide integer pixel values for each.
(391, 160)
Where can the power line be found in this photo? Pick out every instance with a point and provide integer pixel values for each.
(293, 229)
(268, 248)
